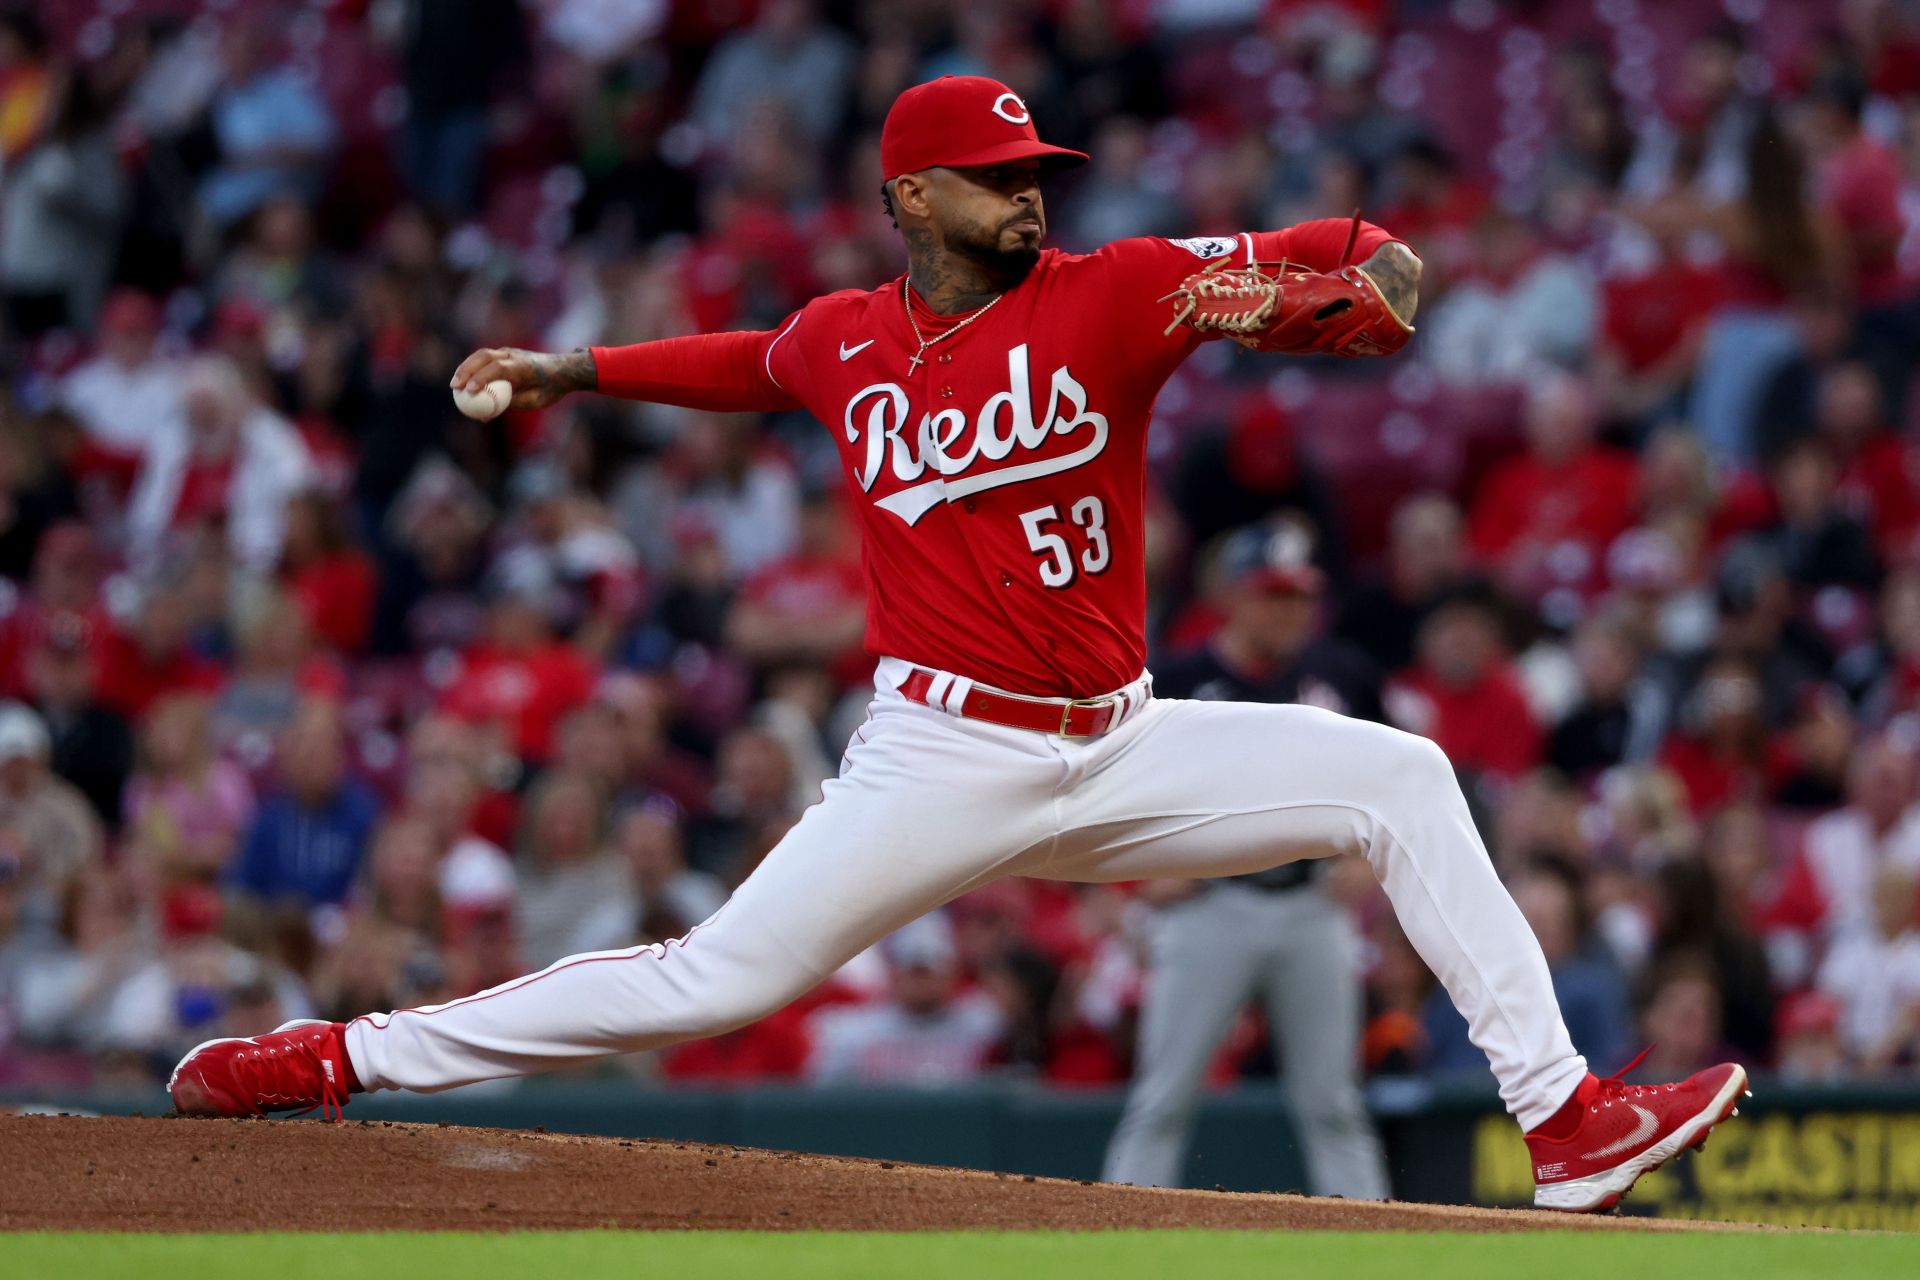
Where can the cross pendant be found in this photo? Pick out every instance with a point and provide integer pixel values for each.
(919, 357)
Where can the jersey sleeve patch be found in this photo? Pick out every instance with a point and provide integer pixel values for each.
(1208, 247)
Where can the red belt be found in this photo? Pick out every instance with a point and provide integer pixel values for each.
(1067, 717)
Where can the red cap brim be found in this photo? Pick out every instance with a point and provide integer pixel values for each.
(1019, 149)
(1300, 580)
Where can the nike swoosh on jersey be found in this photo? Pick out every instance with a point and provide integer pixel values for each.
(848, 353)
(1649, 1124)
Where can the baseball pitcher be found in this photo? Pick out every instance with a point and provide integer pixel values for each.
(990, 407)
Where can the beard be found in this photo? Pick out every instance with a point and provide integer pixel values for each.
(980, 245)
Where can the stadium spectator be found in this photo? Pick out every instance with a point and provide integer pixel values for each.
(1523, 306)
(668, 898)
(1253, 468)
(1878, 482)
(60, 1001)
(1778, 248)
(327, 577)
(1611, 721)
(1699, 138)
(42, 816)
(574, 894)
(92, 746)
(1818, 541)
(926, 1032)
(129, 392)
(197, 987)
(1544, 520)
(810, 607)
(1809, 1039)
(1859, 183)
(153, 657)
(597, 585)
(402, 885)
(1695, 925)
(1462, 692)
(307, 839)
(1874, 972)
(430, 578)
(274, 668)
(271, 131)
(1680, 1017)
(724, 484)
(231, 463)
(1427, 558)
(457, 56)
(521, 678)
(60, 215)
(1828, 889)
(1117, 198)
(1723, 750)
(790, 57)
(750, 807)
(187, 807)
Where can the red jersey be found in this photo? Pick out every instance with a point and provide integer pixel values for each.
(1000, 486)
(531, 692)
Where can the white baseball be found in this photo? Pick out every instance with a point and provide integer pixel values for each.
(487, 403)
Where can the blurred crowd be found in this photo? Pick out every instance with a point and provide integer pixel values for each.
(321, 699)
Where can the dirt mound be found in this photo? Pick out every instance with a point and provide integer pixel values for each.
(72, 1173)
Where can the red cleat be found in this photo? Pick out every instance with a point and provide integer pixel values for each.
(302, 1064)
(1627, 1130)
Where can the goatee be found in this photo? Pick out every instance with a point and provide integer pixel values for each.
(1008, 265)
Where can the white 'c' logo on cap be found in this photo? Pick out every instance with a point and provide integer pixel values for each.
(1009, 108)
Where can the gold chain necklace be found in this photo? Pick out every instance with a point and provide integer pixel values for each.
(920, 356)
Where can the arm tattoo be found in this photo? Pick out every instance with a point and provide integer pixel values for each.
(1397, 273)
(560, 374)
(580, 372)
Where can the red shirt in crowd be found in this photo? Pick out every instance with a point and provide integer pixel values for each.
(774, 1048)
(1000, 480)
(130, 680)
(336, 593)
(1882, 482)
(531, 692)
(1486, 726)
(204, 492)
(1860, 187)
(810, 589)
(1528, 508)
(1647, 317)
(1712, 779)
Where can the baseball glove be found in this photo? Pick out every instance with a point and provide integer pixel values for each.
(1284, 307)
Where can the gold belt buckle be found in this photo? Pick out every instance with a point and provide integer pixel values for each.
(1066, 711)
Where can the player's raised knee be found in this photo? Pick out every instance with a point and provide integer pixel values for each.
(1408, 767)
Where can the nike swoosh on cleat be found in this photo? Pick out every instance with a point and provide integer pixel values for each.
(848, 353)
(1648, 1126)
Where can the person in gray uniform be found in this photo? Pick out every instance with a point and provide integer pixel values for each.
(1275, 934)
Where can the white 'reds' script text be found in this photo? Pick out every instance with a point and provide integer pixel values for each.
(949, 445)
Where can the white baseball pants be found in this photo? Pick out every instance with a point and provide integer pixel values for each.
(928, 806)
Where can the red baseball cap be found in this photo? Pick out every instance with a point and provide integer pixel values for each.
(957, 121)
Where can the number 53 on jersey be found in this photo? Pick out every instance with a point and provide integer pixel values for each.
(1058, 565)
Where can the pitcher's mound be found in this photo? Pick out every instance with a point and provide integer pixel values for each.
(120, 1174)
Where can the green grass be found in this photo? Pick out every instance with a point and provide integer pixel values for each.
(1162, 1255)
